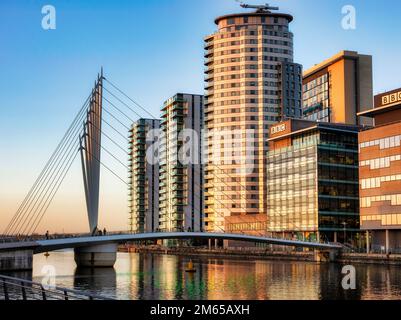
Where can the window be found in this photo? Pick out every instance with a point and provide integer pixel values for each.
(392, 142)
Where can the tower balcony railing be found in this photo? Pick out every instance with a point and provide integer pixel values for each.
(209, 84)
(209, 76)
(209, 60)
(209, 51)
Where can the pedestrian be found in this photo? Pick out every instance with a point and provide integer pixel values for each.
(104, 231)
(47, 235)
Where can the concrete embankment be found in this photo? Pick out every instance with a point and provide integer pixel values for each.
(345, 258)
(380, 259)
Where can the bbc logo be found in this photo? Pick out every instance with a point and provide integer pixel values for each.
(391, 98)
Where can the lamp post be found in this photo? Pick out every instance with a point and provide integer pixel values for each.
(345, 231)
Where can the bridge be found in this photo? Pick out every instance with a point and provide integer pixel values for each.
(41, 246)
(84, 137)
(100, 251)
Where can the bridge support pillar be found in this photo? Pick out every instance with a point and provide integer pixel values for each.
(326, 255)
(97, 256)
(18, 260)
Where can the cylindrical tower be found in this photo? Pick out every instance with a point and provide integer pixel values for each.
(243, 92)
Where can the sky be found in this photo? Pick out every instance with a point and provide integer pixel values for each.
(152, 49)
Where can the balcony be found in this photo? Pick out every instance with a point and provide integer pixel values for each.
(209, 52)
(208, 61)
(209, 42)
(209, 84)
(179, 187)
(177, 113)
(209, 92)
(209, 76)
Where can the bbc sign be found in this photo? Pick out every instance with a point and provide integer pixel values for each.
(391, 98)
(278, 129)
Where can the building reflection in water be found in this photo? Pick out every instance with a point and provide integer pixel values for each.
(261, 280)
(143, 278)
(163, 277)
(159, 277)
(100, 281)
(381, 282)
(331, 279)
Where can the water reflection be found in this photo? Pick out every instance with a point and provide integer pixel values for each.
(101, 281)
(148, 276)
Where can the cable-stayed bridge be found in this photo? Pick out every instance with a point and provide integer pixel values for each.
(83, 140)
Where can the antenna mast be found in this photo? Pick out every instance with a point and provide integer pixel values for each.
(259, 8)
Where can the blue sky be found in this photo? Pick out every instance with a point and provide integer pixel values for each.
(150, 48)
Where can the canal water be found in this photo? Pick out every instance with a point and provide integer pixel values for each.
(159, 277)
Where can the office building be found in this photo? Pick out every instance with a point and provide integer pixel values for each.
(313, 181)
(336, 89)
(143, 177)
(250, 77)
(290, 90)
(380, 174)
(181, 172)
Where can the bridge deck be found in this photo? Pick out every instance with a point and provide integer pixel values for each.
(70, 243)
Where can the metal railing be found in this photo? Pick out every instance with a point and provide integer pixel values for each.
(33, 238)
(20, 289)
(116, 233)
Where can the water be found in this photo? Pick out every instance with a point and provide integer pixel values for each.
(156, 276)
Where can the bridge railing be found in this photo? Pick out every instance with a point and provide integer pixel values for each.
(82, 235)
(20, 289)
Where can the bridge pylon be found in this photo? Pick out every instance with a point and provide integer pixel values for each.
(90, 150)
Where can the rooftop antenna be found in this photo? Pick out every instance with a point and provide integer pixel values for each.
(259, 8)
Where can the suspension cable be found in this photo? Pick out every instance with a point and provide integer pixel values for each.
(115, 118)
(119, 110)
(44, 171)
(110, 153)
(129, 98)
(49, 185)
(48, 171)
(115, 174)
(58, 187)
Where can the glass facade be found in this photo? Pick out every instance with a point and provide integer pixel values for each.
(313, 184)
(291, 90)
(292, 196)
(316, 99)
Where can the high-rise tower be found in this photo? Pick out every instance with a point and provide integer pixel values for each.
(181, 172)
(144, 177)
(245, 93)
